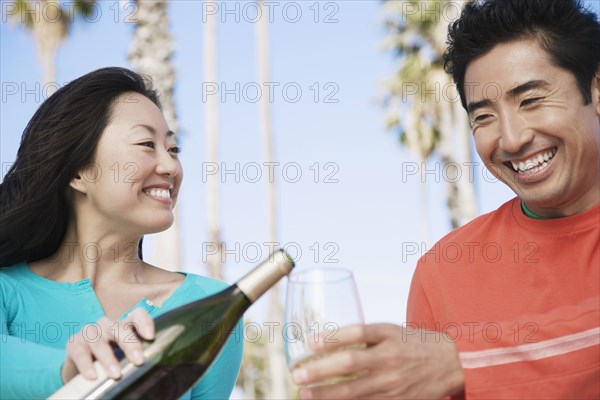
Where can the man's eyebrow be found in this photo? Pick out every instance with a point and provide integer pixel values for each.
(477, 104)
(514, 92)
(151, 129)
(534, 84)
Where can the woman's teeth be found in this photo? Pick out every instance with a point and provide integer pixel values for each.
(164, 193)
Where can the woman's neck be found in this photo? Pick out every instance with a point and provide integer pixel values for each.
(99, 256)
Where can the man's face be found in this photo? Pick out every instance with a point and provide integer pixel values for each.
(532, 129)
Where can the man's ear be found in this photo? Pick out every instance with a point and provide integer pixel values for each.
(78, 184)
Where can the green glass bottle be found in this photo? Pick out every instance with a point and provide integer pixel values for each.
(187, 341)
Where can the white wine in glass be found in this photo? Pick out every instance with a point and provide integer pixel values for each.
(319, 303)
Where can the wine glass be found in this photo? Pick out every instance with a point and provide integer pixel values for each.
(319, 302)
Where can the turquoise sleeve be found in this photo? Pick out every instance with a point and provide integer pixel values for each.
(219, 380)
(27, 370)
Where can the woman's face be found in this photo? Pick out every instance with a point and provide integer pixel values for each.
(133, 183)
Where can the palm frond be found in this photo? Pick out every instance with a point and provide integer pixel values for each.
(23, 13)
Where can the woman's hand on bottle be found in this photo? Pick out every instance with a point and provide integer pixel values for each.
(97, 341)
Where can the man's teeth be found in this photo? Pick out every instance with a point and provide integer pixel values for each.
(164, 193)
(535, 163)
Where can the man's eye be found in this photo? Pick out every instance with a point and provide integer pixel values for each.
(481, 118)
(528, 102)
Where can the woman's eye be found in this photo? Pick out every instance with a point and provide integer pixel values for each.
(148, 144)
(175, 150)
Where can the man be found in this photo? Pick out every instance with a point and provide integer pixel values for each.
(514, 312)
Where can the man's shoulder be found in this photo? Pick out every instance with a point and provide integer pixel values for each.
(485, 236)
(485, 224)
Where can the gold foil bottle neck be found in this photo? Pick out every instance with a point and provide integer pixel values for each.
(266, 275)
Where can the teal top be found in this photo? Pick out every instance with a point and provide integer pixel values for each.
(37, 317)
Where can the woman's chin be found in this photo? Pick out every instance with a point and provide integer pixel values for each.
(158, 227)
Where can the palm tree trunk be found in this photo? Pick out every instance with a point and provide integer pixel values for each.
(454, 148)
(446, 148)
(151, 54)
(463, 153)
(444, 116)
(49, 31)
(213, 261)
(276, 363)
(425, 225)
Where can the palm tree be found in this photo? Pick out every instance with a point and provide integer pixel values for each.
(434, 122)
(49, 22)
(151, 54)
(214, 260)
(276, 366)
(263, 373)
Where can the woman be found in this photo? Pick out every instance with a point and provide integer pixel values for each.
(97, 169)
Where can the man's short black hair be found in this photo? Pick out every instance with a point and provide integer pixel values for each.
(568, 32)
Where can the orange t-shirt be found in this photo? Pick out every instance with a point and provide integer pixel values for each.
(521, 299)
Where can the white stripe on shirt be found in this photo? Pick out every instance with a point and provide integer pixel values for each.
(531, 351)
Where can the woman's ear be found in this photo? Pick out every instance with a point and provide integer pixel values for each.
(86, 176)
(78, 184)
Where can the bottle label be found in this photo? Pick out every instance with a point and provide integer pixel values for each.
(82, 388)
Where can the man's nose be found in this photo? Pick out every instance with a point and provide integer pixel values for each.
(514, 133)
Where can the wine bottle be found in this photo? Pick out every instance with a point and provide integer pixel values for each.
(187, 341)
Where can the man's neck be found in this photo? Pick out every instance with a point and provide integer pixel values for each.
(530, 213)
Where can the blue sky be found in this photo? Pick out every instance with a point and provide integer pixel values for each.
(328, 66)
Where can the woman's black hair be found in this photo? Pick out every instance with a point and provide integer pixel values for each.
(58, 142)
(564, 28)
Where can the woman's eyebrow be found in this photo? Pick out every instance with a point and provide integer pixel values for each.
(152, 130)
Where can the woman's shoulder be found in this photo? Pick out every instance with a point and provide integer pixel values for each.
(10, 279)
(204, 283)
(12, 275)
(193, 287)
(186, 280)
(12, 270)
